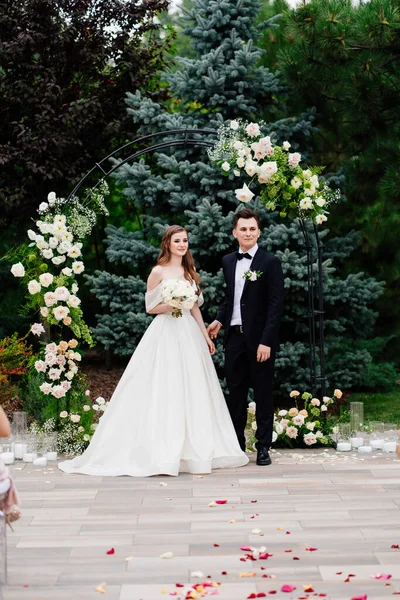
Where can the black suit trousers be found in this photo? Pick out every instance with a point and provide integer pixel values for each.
(242, 372)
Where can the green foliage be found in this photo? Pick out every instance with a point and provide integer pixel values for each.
(379, 406)
(64, 70)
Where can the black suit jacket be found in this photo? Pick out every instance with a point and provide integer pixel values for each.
(261, 303)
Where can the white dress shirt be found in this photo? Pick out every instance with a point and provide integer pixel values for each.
(241, 267)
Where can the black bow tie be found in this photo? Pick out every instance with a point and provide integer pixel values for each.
(240, 255)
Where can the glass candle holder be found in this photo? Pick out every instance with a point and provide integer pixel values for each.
(19, 423)
(390, 437)
(343, 443)
(30, 453)
(20, 446)
(366, 447)
(50, 441)
(377, 435)
(356, 416)
(7, 450)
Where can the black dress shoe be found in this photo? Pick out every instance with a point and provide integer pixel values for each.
(263, 457)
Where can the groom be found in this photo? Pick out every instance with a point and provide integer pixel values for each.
(250, 315)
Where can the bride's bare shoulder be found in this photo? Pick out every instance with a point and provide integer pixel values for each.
(155, 277)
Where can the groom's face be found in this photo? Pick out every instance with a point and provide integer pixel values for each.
(247, 233)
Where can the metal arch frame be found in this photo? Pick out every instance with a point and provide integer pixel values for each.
(314, 276)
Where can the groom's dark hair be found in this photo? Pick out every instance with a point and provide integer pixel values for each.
(245, 213)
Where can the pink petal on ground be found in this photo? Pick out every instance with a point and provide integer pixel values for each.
(111, 551)
(287, 588)
(381, 576)
(246, 548)
(221, 501)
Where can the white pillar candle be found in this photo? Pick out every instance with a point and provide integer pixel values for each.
(19, 450)
(377, 444)
(29, 456)
(365, 449)
(389, 446)
(8, 457)
(41, 461)
(343, 447)
(356, 442)
(51, 455)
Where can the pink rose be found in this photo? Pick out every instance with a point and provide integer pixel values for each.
(294, 159)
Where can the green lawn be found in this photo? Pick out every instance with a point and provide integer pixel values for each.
(379, 407)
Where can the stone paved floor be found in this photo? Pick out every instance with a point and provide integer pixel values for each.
(345, 507)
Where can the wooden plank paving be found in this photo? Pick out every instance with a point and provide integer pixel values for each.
(346, 506)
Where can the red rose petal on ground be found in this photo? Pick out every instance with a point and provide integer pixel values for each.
(179, 585)
(111, 551)
(252, 596)
(351, 575)
(347, 580)
(272, 592)
(287, 588)
(296, 558)
(311, 549)
(265, 556)
(288, 533)
(339, 572)
(246, 548)
(395, 546)
(360, 597)
(288, 550)
(253, 501)
(224, 573)
(265, 576)
(221, 501)
(261, 595)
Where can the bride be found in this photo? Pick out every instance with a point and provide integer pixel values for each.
(167, 414)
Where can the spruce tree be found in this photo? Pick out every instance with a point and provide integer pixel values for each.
(182, 186)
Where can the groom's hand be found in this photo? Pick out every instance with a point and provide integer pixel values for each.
(213, 329)
(263, 353)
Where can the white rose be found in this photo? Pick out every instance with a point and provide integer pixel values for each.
(34, 287)
(52, 347)
(237, 145)
(64, 247)
(66, 271)
(31, 235)
(236, 173)
(244, 194)
(253, 276)
(51, 198)
(225, 167)
(63, 414)
(58, 391)
(48, 253)
(50, 299)
(43, 206)
(54, 374)
(46, 279)
(306, 204)
(240, 162)
(286, 145)
(296, 182)
(74, 288)
(320, 201)
(60, 219)
(319, 434)
(37, 329)
(274, 436)
(44, 311)
(95, 407)
(309, 191)
(74, 302)
(60, 312)
(53, 242)
(251, 167)
(268, 169)
(253, 129)
(278, 428)
(86, 407)
(61, 293)
(298, 420)
(42, 244)
(319, 219)
(324, 408)
(314, 180)
(70, 375)
(58, 260)
(75, 418)
(282, 413)
(310, 426)
(86, 437)
(46, 388)
(78, 267)
(40, 366)
(294, 159)
(234, 125)
(18, 270)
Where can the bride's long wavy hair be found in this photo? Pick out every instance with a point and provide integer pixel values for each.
(187, 260)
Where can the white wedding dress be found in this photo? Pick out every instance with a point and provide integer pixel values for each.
(168, 413)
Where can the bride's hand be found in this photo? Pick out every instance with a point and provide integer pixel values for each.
(211, 345)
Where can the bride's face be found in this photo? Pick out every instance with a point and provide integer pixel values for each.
(179, 244)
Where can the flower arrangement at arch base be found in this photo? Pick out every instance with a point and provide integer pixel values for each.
(49, 265)
(298, 427)
(273, 171)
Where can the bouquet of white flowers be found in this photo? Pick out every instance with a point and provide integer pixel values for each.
(179, 294)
